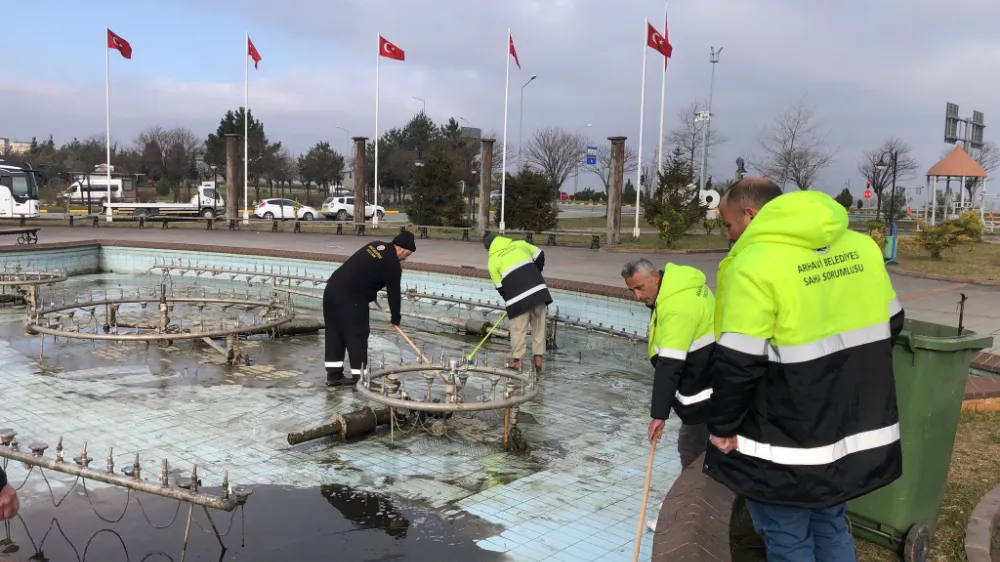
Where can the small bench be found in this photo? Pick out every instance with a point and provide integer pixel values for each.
(27, 235)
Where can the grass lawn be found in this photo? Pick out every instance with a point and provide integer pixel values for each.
(974, 470)
(977, 260)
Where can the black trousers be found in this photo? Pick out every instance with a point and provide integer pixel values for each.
(346, 330)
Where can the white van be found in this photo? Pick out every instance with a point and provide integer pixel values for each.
(97, 190)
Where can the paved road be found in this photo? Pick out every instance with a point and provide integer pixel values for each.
(924, 299)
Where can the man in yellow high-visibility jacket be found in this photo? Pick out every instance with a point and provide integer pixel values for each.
(803, 410)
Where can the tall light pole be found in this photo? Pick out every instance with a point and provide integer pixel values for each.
(576, 175)
(707, 116)
(891, 235)
(520, 129)
(424, 110)
(346, 152)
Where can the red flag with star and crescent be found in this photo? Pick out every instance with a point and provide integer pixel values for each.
(512, 51)
(658, 42)
(119, 44)
(389, 50)
(252, 52)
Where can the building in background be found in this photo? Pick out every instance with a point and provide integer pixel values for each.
(8, 146)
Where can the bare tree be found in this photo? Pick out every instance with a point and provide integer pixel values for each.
(688, 135)
(168, 152)
(793, 149)
(881, 177)
(603, 167)
(554, 152)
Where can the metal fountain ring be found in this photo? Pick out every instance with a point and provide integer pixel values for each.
(18, 278)
(383, 386)
(42, 322)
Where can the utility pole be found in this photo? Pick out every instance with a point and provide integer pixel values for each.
(707, 116)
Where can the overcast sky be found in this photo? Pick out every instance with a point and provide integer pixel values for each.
(871, 69)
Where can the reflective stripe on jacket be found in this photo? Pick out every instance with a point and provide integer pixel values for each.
(806, 318)
(515, 270)
(681, 345)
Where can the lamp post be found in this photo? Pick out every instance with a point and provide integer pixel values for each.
(576, 175)
(520, 128)
(707, 116)
(890, 241)
(424, 110)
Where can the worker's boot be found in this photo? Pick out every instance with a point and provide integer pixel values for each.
(514, 364)
(338, 379)
(536, 362)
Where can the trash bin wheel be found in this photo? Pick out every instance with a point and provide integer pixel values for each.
(918, 544)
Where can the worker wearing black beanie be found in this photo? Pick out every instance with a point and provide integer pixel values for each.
(350, 289)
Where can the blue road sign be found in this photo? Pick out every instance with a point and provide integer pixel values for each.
(591, 155)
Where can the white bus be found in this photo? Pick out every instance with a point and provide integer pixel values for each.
(95, 190)
(18, 190)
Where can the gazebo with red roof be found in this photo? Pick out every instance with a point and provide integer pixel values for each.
(957, 164)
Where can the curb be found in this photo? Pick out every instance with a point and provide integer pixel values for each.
(979, 532)
(951, 278)
(630, 250)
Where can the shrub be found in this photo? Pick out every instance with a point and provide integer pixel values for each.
(712, 225)
(672, 226)
(878, 231)
(162, 188)
(969, 227)
(908, 244)
(936, 239)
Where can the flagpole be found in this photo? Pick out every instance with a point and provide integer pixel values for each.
(663, 95)
(107, 116)
(246, 126)
(503, 170)
(378, 61)
(642, 105)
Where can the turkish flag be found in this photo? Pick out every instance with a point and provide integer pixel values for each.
(658, 42)
(117, 43)
(389, 51)
(252, 51)
(513, 51)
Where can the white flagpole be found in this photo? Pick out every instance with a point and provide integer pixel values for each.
(378, 61)
(642, 106)
(663, 96)
(503, 169)
(246, 127)
(107, 109)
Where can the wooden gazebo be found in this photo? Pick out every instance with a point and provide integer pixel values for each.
(957, 164)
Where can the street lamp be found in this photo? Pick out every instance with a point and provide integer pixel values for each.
(424, 110)
(520, 129)
(891, 234)
(576, 175)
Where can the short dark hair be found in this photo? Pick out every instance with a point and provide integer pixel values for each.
(752, 193)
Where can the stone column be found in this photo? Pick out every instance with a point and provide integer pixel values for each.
(485, 183)
(359, 179)
(616, 177)
(233, 169)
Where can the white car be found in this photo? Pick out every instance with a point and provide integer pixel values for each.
(342, 208)
(284, 209)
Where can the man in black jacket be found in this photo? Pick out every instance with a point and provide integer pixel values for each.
(350, 289)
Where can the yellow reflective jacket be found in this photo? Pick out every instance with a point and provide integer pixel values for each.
(516, 271)
(805, 319)
(681, 344)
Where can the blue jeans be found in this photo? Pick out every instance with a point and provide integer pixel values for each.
(795, 534)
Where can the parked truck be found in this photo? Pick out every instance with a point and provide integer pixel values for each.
(206, 203)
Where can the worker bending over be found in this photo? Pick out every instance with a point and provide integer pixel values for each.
(350, 289)
(681, 349)
(516, 270)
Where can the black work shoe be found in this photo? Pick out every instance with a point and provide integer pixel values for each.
(335, 381)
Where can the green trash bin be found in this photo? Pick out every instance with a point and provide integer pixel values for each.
(931, 363)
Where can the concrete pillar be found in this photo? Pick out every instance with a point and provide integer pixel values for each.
(485, 183)
(359, 179)
(615, 179)
(233, 168)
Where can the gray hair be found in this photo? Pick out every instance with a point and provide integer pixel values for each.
(640, 265)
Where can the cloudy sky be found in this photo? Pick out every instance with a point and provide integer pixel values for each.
(870, 69)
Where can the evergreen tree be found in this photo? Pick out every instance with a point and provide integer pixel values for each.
(676, 191)
(845, 198)
(529, 204)
(436, 199)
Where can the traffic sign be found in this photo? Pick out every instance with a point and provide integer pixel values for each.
(868, 194)
(591, 155)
